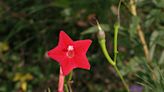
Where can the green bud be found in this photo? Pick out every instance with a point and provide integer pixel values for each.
(101, 33)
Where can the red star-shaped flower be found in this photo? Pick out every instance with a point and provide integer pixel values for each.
(70, 54)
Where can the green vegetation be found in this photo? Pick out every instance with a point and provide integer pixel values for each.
(29, 28)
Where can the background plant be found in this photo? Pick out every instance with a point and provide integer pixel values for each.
(27, 28)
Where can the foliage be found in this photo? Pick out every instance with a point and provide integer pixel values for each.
(29, 28)
(152, 83)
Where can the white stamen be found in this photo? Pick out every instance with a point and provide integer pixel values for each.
(70, 48)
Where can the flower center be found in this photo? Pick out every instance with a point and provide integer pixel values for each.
(70, 51)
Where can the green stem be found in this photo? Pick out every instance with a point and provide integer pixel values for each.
(116, 28)
(69, 81)
(70, 76)
(66, 87)
(113, 63)
(66, 83)
(121, 77)
(103, 47)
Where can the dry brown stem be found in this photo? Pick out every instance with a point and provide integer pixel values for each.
(140, 33)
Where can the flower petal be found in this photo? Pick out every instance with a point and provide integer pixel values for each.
(57, 54)
(81, 46)
(68, 65)
(64, 40)
(82, 62)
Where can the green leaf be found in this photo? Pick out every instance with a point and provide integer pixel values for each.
(36, 8)
(94, 29)
(132, 66)
(160, 40)
(62, 3)
(161, 58)
(133, 26)
(154, 17)
(157, 38)
(153, 43)
(159, 3)
(4, 46)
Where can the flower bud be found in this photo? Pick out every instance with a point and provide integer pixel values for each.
(101, 33)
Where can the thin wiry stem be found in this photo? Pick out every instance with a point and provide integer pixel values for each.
(66, 88)
(69, 82)
(121, 77)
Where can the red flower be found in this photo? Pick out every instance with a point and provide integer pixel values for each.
(70, 54)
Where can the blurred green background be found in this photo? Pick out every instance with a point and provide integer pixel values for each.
(29, 28)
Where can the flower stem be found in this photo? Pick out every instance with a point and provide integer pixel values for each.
(66, 88)
(61, 81)
(69, 82)
(116, 28)
(103, 47)
(121, 77)
(70, 76)
(113, 63)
